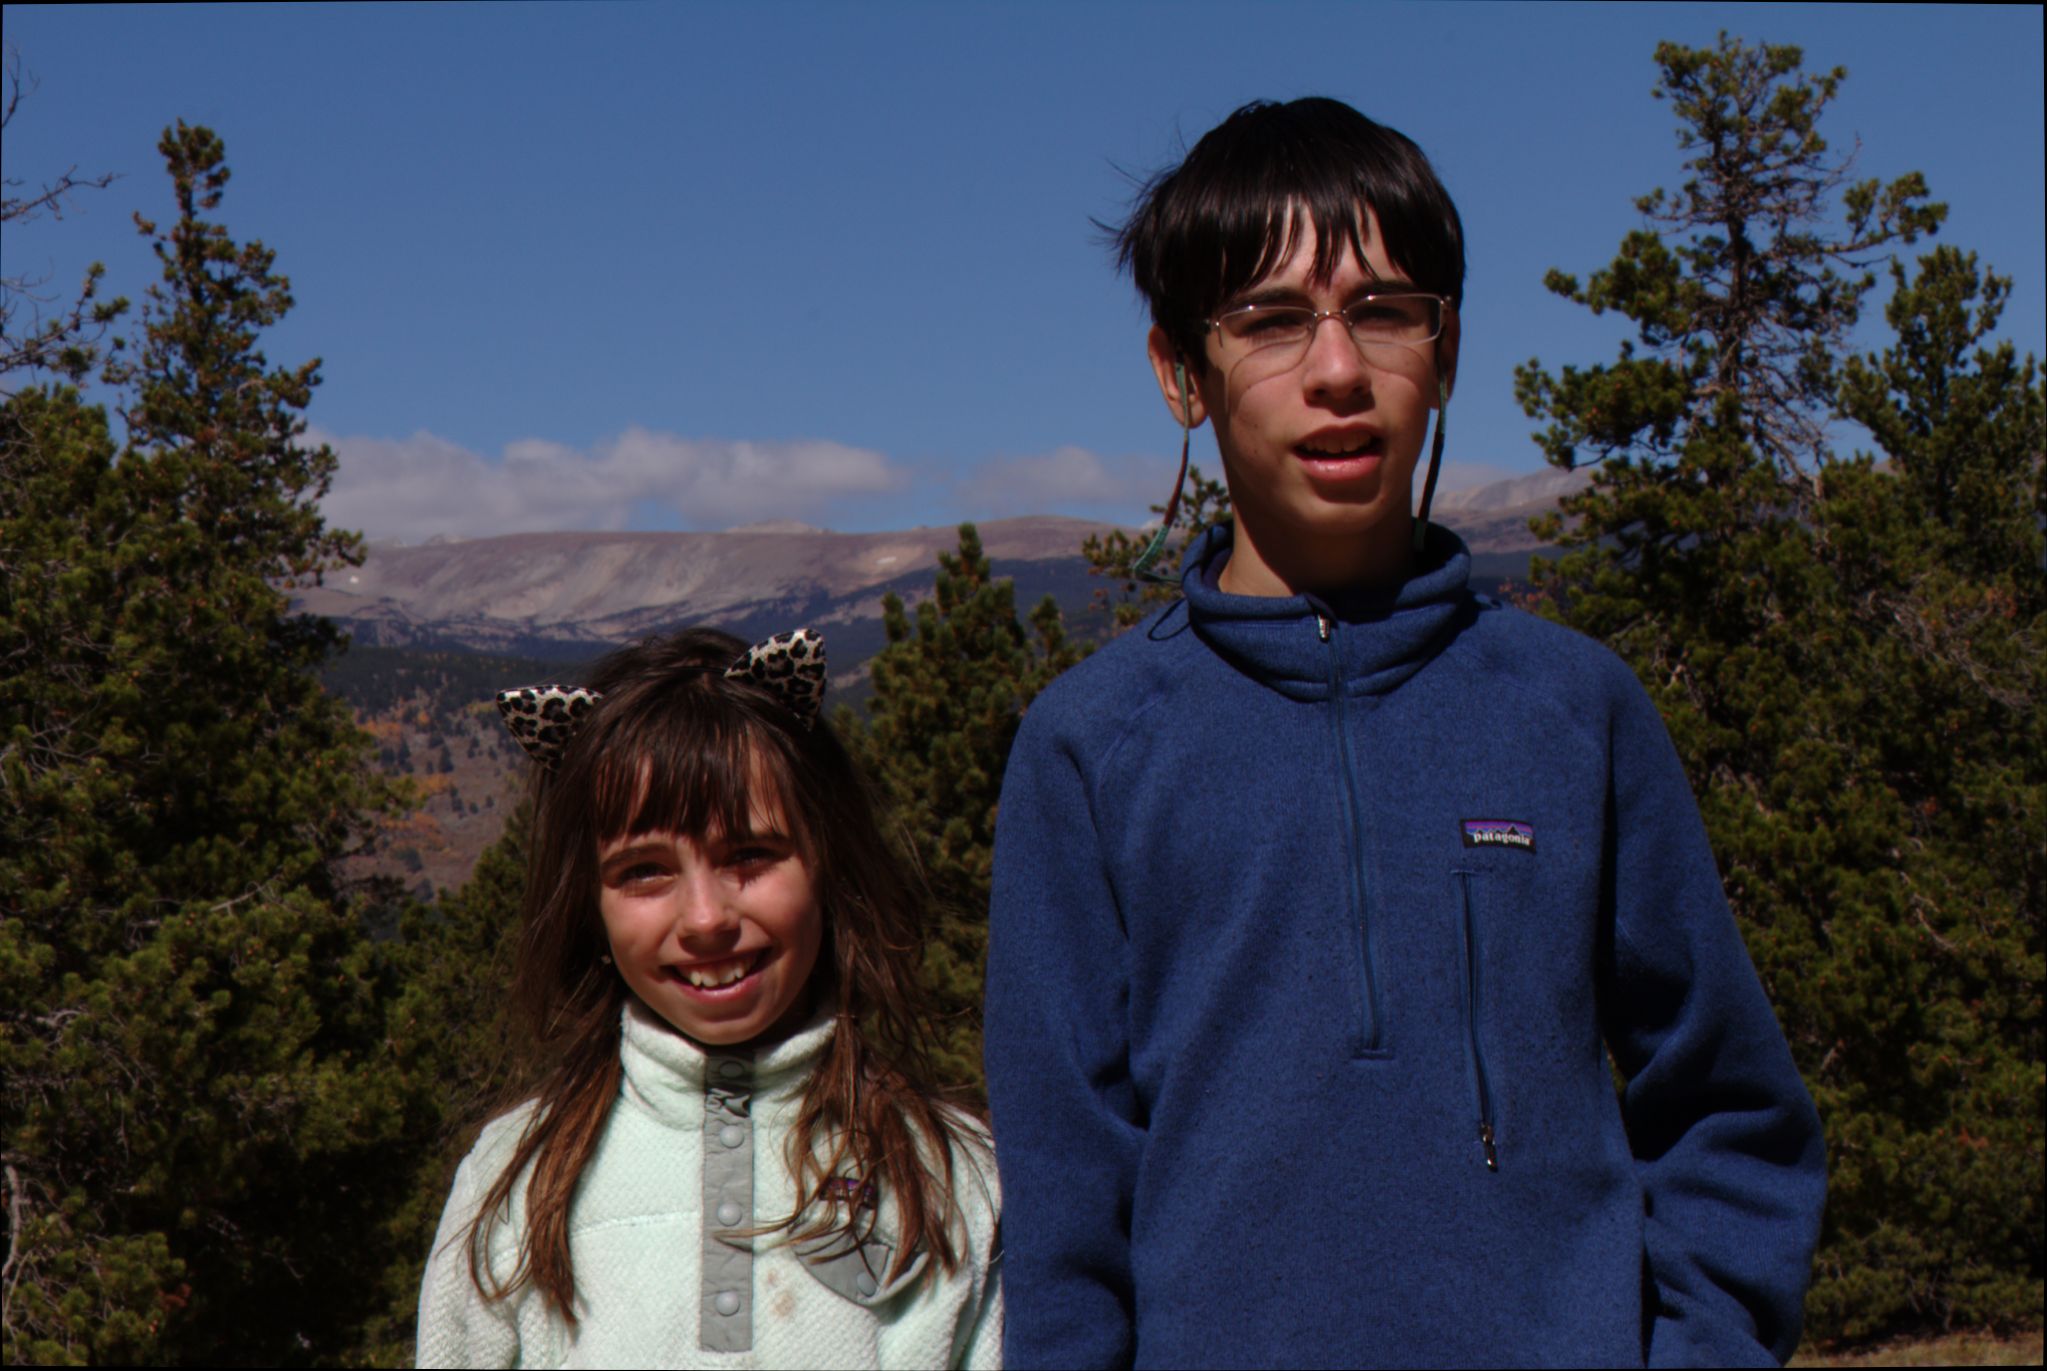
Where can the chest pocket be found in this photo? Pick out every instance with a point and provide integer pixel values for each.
(857, 1270)
(1490, 880)
(1468, 932)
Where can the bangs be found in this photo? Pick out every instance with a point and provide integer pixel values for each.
(1253, 246)
(669, 763)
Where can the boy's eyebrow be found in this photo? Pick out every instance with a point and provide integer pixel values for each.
(1293, 295)
(1266, 295)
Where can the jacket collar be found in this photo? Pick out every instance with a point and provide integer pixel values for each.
(667, 1072)
(1377, 639)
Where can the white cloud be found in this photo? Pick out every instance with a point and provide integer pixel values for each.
(415, 488)
(1067, 480)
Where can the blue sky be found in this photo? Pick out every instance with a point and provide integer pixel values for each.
(693, 265)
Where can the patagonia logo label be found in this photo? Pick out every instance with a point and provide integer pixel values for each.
(1499, 833)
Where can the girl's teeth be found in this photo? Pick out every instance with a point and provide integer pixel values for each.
(715, 974)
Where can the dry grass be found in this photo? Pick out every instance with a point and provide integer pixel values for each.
(1956, 1349)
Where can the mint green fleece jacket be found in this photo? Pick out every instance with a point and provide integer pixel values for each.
(693, 1147)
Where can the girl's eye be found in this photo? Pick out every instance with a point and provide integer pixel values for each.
(640, 873)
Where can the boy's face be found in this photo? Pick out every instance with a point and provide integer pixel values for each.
(1319, 456)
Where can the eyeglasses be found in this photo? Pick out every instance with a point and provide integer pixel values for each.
(1279, 334)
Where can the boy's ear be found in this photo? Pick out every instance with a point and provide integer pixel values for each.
(1446, 352)
(1175, 374)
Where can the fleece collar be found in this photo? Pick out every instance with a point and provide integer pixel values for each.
(666, 1071)
(1379, 638)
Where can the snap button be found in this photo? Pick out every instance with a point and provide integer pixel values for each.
(731, 1070)
(726, 1302)
(864, 1283)
(732, 1135)
(730, 1213)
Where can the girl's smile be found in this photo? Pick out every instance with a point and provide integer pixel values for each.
(718, 976)
(719, 936)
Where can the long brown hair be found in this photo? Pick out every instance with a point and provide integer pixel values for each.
(676, 746)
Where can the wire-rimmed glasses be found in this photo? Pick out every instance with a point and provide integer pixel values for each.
(1278, 335)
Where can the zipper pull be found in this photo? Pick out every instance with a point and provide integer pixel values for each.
(1485, 1138)
(1322, 626)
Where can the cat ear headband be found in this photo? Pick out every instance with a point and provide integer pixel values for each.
(789, 666)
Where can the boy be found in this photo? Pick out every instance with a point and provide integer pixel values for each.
(1320, 895)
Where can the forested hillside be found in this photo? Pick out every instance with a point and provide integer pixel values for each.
(431, 717)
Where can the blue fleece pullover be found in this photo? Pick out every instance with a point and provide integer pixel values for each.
(1312, 923)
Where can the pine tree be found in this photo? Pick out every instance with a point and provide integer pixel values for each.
(198, 1121)
(1937, 1065)
(1779, 604)
(1114, 555)
(949, 691)
(65, 341)
(459, 1049)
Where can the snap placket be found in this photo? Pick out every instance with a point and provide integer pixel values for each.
(725, 1319)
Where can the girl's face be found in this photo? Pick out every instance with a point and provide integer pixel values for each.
(718, 936)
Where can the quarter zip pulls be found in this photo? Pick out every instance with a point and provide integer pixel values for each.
(1381, 637)
(1371, 1030)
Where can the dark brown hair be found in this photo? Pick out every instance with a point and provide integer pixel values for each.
(1233, 210)
(676, 746)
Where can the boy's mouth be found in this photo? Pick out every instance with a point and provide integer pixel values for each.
(1333, 447)
(720, 975)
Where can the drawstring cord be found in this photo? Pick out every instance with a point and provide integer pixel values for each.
(1421, 520)
(1140, 570)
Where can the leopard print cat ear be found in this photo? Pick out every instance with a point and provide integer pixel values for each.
(542, 719)
(789, 666)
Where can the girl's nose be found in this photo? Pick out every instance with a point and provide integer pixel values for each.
(703, 907)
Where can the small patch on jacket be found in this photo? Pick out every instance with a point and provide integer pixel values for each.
(1499, 833)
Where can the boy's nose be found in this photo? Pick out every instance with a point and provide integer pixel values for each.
(1334, 364)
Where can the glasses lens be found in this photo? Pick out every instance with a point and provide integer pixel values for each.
(1395, 318)
(1257, 327)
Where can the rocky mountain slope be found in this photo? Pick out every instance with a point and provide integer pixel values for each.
(571, 594)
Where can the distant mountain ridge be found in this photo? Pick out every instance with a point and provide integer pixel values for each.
(570, 595)
(1493, 519)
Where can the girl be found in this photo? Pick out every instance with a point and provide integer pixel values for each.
(733, 1154)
